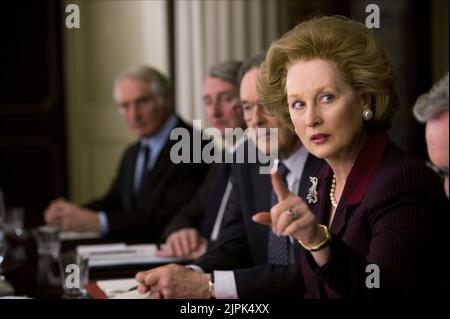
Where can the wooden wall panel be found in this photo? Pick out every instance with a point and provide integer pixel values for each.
(32, 123)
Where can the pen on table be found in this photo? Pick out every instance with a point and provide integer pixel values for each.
(121, 291)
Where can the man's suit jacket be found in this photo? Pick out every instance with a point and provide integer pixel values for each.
(393, 213)
(192, 214)
(165, 189)
(242, 243)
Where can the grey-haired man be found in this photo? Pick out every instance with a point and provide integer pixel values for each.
(199, 221)
(432, 108)
(149, 187)
(244, 262)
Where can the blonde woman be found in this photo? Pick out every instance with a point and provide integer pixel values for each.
(376, 226)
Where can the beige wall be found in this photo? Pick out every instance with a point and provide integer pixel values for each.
(439, 34)
(112, 36)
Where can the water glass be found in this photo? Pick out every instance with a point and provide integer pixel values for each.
(15, 221)
(74, 275)
(47, 239)
(2, 247)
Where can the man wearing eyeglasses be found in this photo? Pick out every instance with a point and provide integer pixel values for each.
(432, 108)
(149, 187)
(200, 220)
(248, 260)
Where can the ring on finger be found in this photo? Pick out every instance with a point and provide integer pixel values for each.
(292, 213)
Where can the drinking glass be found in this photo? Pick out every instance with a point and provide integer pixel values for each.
(74, 275)
(47, 239)
(15, 221)
(3, 249)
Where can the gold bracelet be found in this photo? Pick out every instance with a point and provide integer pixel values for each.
(322, 244)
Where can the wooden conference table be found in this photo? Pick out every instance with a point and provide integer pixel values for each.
(35, 276)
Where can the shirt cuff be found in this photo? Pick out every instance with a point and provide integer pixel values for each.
(196, 268)
(104, 227)
(225, 285)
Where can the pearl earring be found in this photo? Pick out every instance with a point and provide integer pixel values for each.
(367, 114)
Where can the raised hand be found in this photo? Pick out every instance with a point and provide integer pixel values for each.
(290, 216)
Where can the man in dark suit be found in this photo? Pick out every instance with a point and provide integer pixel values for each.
(432, 108)
(199, 221)
(149, 187)
(263, 266)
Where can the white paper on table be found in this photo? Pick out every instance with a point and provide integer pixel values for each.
(100, 249)
(71, 235)
(121, 254)
(118, 289)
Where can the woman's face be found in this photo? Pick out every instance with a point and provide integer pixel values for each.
(325, 111)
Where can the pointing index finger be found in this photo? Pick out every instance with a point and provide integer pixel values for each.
(279, 187)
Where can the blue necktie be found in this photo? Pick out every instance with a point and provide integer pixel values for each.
(278, 247)
(145, 154)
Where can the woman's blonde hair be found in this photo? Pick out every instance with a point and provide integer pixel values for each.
(359, 56)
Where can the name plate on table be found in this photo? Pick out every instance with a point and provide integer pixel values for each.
(119, 254)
